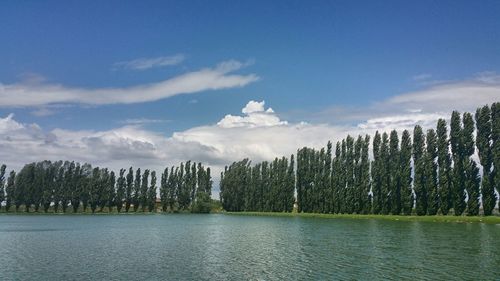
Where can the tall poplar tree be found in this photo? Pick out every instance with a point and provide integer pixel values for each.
(377, 175)
(120, 190)
(152, 193)
(495, 145)
(394, 174)
(407, 197)
(2, 184)
(164, 190)
(365, 177)
(484, 146)
(419, 177)
(129, 190)
(137, 190)
(472, 180)
(457, 149)
(384, 169)
(111, 191)
(11, 191)
(431, 180)
(143, 197)
(445, 183)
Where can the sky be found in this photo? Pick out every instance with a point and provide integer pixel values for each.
(152, 83)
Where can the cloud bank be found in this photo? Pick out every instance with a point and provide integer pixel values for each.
(40, 94)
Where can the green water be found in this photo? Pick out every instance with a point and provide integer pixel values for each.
(223, 247)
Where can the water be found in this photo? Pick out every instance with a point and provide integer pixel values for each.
(223, 247)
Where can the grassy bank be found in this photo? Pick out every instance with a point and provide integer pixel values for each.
(490, 219)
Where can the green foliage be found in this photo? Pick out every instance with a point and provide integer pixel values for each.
(407, 197)
(495, 144)
(152, 193)
(2, 184)
(431, 176)
(484, 146)
(445, 180)
(178, 185)
(264, 187)
(377, 174)
(11, 191)
(202, 204)
(143, 196)
(129, 190)
(137, 190)
(419, 177)
(121, 185)
(394, 167)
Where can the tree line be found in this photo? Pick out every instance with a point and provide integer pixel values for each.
(265, 187)
(64, 186)
(422, 173)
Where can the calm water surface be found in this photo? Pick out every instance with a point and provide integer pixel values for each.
(223, 247)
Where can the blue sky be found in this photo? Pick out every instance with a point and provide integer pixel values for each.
(332, 64)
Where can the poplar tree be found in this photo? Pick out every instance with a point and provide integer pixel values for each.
(484, 146)
(337, 179)
(48, 190)
(407, 197)
(394, 174)
(111, 191)
(120, 190)
(95, 186)
(377, 175)
(152, 193)
(472, 180)
(290, 188)
(445, 171)
(137, 189)
(495, 145)
(384, 170)
(357, 188)
(326, 181)
(86, 171)
(457, 149)
(75, 191)
(431, 173)
(143, 198)
(129, 190)
(419, 163)
(164, 190)
(11, 191)
(2, 184)
(365, 177)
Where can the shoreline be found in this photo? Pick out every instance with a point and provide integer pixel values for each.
(437, 218)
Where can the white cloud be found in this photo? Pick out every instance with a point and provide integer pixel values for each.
(255, 116)
(147, 63)
(39, 94)
(430, 103)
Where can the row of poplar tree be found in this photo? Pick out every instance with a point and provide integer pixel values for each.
(423, 172)
(59, 186)
(265, 187)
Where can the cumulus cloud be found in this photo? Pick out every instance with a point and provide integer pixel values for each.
(40, 94)
(147, 63)
(255, 116)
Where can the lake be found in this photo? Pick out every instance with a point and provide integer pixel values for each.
(225, 247)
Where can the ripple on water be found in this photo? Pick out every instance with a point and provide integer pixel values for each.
(218, 247)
